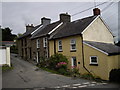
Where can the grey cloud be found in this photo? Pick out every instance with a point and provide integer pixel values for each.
(16, 15)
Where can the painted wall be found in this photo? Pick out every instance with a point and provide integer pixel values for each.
(66, 50)
(98, 32)
(5, 56)
(105, 63)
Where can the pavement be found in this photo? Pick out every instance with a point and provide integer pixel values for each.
(27, 75)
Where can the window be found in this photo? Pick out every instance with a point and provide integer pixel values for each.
(38, 43)
(74, 62)
(59, 45)
(94, 60)
(45, 42)
(72, 45)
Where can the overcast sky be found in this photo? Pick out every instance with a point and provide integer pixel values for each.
(17, 14)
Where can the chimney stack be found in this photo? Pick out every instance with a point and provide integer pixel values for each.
(45, 21)
(65, 17)
(96, 11)
(29, 27)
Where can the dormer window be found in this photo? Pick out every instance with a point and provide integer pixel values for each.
(73, 45)
(45, 42)
(38, 43)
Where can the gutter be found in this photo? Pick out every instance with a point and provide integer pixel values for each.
(83, 56)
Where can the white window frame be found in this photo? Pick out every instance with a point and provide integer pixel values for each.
(72, 62)
(93, 62)
(45, 42)
(59, 45)
(72, 43)
(38, 43)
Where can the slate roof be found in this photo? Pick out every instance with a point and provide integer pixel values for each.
(74, 28)
(46, 30)
(29, 32)
(111, 49)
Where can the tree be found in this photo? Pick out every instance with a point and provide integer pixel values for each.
(7, 35)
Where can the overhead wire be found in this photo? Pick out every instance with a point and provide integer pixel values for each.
(89, 8)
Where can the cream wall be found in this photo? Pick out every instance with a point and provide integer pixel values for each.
(105, 63)
(98, 32)
(66, 50)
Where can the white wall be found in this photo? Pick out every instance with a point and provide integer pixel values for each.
(5, 56)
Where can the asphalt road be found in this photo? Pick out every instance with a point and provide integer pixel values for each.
(24, 75)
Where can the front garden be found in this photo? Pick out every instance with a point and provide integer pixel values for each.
(58, 64)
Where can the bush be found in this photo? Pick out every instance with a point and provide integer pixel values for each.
(75, 71)
(62, 71)
(114, 75)
(55, 59)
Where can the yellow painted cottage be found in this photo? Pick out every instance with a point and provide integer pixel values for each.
(88, 44)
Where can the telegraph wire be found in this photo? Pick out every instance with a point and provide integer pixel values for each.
(89, 8)
(108, 6)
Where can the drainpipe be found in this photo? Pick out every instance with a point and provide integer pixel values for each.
(83, 56)
(54, 46)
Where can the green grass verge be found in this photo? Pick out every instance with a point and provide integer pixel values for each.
(49, 70)
(6, 68)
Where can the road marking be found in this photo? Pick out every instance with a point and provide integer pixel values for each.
(57, 87)
(73, 87)
(76, 84)
(66, 86)
(104, 83)
(86, 83)
(82, 86)
(91, 84)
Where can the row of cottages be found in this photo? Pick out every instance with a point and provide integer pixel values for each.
(87, 43)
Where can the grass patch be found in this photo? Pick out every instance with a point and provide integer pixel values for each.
(6, 68)
(49, 70)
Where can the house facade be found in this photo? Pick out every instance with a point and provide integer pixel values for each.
(70, 41)
(40, 39)
(24, 43)
(87, 43)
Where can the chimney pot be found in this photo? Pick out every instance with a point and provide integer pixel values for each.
(29, 27)
(65, 17)
(96, 11)
(45, 21)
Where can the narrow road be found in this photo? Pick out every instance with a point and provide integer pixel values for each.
(24, 75)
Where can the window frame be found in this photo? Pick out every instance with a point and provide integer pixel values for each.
(59, 46)
(72, 62)
(71, 49)
(45, 42)
(38, 43)
(93, 63)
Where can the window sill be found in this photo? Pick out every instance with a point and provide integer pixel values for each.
(93, 64)
(72, 50)
(60, 51)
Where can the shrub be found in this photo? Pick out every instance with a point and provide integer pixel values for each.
(74, 71)
(62, 71)
(62, 65)
(88, 76)
(55, 59)
(114, 75)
